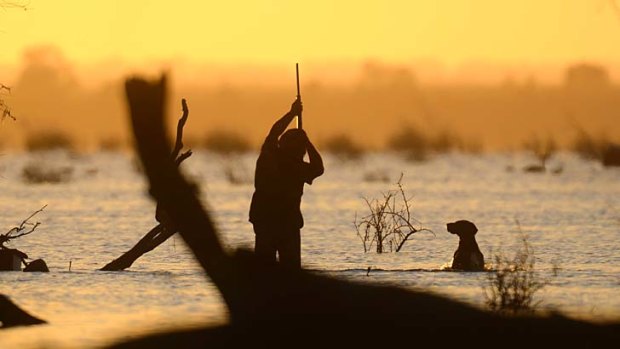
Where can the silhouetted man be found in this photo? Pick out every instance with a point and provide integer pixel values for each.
(279, 182)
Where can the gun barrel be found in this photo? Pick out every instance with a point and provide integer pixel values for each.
(299, 124)
(297, 74)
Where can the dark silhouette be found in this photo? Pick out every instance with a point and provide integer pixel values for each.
(37, 265)
(279, 183)
(165, 229)
(11, 259)
(273, 306)
(611, 155)
(11, 315)
(587, 76)
(543, 149)
(467, 256)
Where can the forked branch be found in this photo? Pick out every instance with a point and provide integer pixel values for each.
(165, 229)
(178, 144)
(24, 228)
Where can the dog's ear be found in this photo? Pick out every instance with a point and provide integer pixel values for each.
(470, 227)
(462, 227)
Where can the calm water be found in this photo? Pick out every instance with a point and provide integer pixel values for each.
(573, 220)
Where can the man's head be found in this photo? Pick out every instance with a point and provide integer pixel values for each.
(293, 143)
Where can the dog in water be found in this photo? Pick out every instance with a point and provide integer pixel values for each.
(467, 256)
(273, 306)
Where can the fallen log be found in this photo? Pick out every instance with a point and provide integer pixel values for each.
(12, 315)
(275, 307)
(37, 265)
(165, 229)
(149, 242)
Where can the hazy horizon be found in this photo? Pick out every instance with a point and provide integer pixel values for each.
(491, 73)
(49, 93)
(429, 71)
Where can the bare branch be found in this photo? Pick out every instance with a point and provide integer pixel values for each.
(178, 144)
(32, 229)
(19, 230)
(389, 223)
(402, 242)
(26, 222)
(165, 230)
(35, 213)
(182, 157)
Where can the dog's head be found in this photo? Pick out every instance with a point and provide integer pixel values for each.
(462, 228)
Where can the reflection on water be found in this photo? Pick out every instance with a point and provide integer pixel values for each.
(572, 219)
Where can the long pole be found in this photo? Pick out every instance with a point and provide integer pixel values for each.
(299, 124)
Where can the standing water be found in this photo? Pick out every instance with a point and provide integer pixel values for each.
(572, 220)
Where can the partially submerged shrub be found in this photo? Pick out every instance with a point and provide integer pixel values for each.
(598, 148)
(37, 172)
(50, 140)
(376, 176)
(472, 146)
(390, 222)
(235, 171)
(418, 146)
(543, 149)
(447, 141)
(343, 147)
(611, 155)
(412, 142)
(110, 144)
(512, 284)
(589, 147)
(26, 227)
(226, 142)
(586, 146)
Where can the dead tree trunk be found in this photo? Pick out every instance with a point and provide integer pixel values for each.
(271, 306)
(165, 229)
(150, 241)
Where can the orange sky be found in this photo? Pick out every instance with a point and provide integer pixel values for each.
(85, 47)
(453, 32)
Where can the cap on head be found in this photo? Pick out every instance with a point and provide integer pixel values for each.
(293, 143)
(462, 227)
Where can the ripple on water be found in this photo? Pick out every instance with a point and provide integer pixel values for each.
(572, 220)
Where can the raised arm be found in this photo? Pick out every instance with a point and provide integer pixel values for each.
(280, 126)
(316, 162)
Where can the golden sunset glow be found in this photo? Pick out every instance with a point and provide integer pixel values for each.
(281, 31)
(446, 66)
(341, 173)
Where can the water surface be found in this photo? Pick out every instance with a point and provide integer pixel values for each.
(572, 220)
